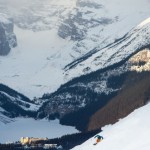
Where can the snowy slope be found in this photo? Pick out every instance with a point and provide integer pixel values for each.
(51, 34)
(130, 133)
(33, 70)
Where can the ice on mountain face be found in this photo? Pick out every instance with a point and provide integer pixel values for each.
(130, 133)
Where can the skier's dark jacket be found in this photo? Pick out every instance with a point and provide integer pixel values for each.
(99, 137)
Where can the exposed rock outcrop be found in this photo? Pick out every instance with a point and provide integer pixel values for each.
(7, 37)
(4, 45)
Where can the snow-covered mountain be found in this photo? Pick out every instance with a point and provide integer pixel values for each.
(112, 89)
(52, 34)
(121, 49)
(81, 55)
(130, 133)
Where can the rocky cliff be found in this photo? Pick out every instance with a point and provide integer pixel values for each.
(7, 37)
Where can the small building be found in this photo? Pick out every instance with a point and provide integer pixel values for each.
(26, 147)
(60, 147)
(47, 146)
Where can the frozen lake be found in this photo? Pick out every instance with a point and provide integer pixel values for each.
(28, 127)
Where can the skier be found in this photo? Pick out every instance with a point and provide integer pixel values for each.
(98, 139)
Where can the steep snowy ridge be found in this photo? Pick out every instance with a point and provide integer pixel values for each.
(135, 40)
(130, 133)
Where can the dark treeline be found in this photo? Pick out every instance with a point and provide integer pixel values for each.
(70, 141)
(20, 147)
(80, 118)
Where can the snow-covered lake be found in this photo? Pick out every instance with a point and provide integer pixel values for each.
(28, 127)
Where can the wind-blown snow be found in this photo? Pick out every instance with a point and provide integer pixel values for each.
(130, 133)
(27, 127)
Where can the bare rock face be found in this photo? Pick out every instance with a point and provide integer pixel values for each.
(76, 25)
(4, 45)
(7, 37)
(141, 61)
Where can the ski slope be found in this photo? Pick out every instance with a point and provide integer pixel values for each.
(130, 133)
